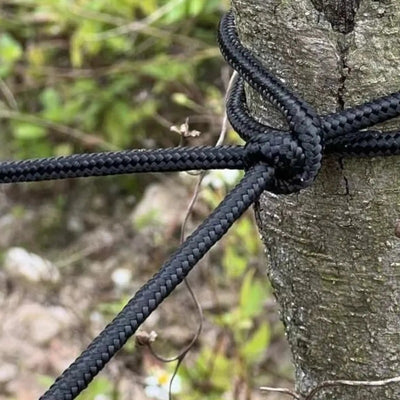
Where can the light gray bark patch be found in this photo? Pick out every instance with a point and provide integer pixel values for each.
(340, 13)
(334, 258)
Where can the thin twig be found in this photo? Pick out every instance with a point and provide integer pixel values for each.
(179, 358)
(85, 138)
(224, 128)
(185, 40)
(137, 25)
(183, 353)
(95, 15)
(281, 390)
(8, 95)
(327, 384)
(220, 141)
(330, 384)
(122, 67)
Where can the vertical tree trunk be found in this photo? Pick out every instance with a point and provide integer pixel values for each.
(334, 258)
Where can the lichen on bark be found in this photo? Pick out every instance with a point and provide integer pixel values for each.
(334, 259)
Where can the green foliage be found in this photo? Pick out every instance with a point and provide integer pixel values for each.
(10, 53)
(100, 386)
(25, 131)
(106, 69)
(216, 370)
(241, 320)
(241, 246)
(217, 379)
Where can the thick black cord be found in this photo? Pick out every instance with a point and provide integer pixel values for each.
(114, 336)
(275, 160)
(123, 162)
(339, 132)
(303, 121)
(343, 141)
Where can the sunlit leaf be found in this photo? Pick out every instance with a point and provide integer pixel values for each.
(10, 49)
(233, 262)
(256, 346)
(252, 296)
(26, 131)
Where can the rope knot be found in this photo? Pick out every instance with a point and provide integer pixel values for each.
(276, 150)
(295, 157)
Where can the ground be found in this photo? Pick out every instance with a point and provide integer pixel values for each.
(92, 244)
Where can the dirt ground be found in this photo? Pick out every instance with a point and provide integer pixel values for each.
(72, 253)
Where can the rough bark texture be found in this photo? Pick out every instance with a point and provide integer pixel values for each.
(334, 259)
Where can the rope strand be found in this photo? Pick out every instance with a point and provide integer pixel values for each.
(114, 336)
(123, 162)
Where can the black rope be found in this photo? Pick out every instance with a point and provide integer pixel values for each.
(275, 160)
(122, 162)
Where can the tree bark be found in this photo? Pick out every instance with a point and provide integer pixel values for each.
(334, 257)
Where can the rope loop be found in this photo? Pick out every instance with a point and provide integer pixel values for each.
(302, 145)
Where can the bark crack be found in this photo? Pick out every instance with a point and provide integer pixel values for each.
(346, 181)
(340, 13)
(344, 71)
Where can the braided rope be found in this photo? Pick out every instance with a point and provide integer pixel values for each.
(114, 336)
(276, 160)
(123, 162)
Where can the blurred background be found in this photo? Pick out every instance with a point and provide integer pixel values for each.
(95, 75)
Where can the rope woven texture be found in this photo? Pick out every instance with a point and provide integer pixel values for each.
(275, 160)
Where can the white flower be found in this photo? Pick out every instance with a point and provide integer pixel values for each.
(102, 397)
(122, 278)
(157, 384)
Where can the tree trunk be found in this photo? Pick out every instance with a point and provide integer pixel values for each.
(334, 257)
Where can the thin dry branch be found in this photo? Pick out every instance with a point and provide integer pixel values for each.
(78, 135)
(180, 357)
(8, 95)
(331, 384)
(95, 15)
(281, 390)
(137, 25)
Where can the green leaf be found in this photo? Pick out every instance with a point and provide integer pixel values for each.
(116, 123)
(183, 100)
(26, 131)
(52, 105)
(44, 380)
(221, 374)
(234, 264)
(10, 53)
(252, 296)
(177, 13)
(120, 117)
(167, 69)
(50, 98)
(257, 344)
(63, 149)
(99, 387)
(82, 42)
(248, 235)
(148, 6)
(196, 7)
(10, 49)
